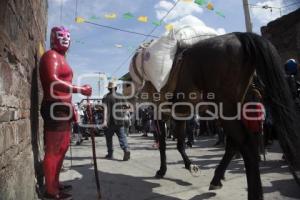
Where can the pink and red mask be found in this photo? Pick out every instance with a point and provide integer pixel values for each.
(60, 39)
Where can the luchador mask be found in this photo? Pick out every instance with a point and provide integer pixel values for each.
(60, 39)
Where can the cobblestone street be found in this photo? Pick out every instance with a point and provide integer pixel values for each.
(134, 180)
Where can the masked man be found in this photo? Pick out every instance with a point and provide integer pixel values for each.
(56, 77)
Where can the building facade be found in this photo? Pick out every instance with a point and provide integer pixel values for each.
(284, 33)
(23, 26)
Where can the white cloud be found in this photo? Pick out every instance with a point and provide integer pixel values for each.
(196, 22)
(184, 14)
(221, 31)
(265, 15)
(182, 9)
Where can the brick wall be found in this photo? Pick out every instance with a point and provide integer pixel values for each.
(22, 38)
(284, 33)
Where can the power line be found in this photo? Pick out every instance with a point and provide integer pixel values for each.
(266, 6)
(290, 5)
(122, 30)
(162, 19)
(128, 31)
(122, 63)
(152, 31)
(287, 7)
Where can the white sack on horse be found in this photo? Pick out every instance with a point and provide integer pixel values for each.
(189, 35)
(154, 62)
(158, 60)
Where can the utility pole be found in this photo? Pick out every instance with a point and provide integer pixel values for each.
(247, 16)
(99, 82)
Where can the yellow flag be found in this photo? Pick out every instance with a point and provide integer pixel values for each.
(210, 6)
(110, 16)
(169, 27)
(79, 20)
(143, 19)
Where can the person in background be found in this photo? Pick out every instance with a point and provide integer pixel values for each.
(291, 70)
(190, 127)
(114, 125)
(76, 128)
(127, 120)
(220, 132)
(255, 127)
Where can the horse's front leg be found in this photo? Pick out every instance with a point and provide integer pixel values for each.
(162, 149)
(180, 132)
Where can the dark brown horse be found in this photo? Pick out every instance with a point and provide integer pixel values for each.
(224, 66)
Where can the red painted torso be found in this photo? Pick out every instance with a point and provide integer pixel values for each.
(54, 70)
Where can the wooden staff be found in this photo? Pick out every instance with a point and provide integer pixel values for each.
(91, 121)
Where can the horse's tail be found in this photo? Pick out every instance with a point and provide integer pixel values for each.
(263, 55)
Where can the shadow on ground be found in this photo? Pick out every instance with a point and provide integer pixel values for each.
(120, 186)
(207, 195)
(115, 186)
(286, 188)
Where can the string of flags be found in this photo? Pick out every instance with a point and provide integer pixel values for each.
(144, 19)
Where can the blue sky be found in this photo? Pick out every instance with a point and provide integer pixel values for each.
(93, 49)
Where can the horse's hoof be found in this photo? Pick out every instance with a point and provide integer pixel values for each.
(160, 174)
(194, 170)
(215, 187)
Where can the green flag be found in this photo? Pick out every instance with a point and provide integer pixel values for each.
(220, 14)
(157, 23)
(128, 15)
(94, 17)
(201, 2)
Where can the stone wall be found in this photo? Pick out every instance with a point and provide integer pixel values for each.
(22, 40)
(284, 33)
